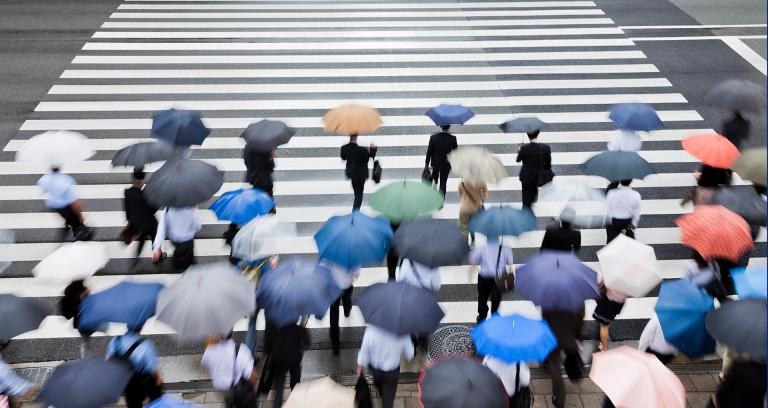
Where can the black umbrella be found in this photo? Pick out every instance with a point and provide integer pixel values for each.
(400, 308)
(740, 325)
(737, 95)
(458, 382)
(431, 242)
(139, 154)
(742, 200)
(183, 183)
(18, 316)
(265, 135)
(89, 383)
(618, 165)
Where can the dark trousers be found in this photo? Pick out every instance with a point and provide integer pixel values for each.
(617, 226)
(357, 187)
(530, 192)
(386, 383)
(141, 387)
(277, 382)
(440, 177)
(183, 255)
(268, 187)
(344, 300)
(147, 233)
(556, 375)
(392, 258)
(486, 288)
(71, 221)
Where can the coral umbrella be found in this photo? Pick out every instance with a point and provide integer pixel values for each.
(712, 149)
(352, 119)
(715, 232)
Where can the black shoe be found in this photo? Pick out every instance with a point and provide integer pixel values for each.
(557, 403)
(335, 348)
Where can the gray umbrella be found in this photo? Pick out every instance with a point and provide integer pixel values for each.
(19, 315)
(742, 200)
(431, 242)
(183, 183)
(617, 165)
(400, 308)
(458, 382)
(265, 135)
(740, 325)
(89, 383)
(737, 95)
(140, 154)
(522, 125)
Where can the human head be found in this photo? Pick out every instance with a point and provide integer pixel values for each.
(565, 224)
(625, 183)
(533, 135)
(55, 169)
(139, 174)
(353, 138)
(445, 128)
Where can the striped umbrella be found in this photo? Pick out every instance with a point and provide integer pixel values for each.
(715, 232)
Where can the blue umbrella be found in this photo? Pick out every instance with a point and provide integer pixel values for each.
(242, 205)
(400, 308)
(179, 127)
(514, 338)
(522, 125)
(296, 288)
(445, 114)
(556, 280)
(617, 166)
(131, 303)
(751, 282)
(169, 401)
(682, 309)
(354, 240)
(635, 116)
(503, 220)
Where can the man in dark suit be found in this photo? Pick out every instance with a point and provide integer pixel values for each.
(561, 237)
(140, 215)
(440, 144)
(259, 168)
(357, 166)
(736, 129)
(536, 157)
(285, 347)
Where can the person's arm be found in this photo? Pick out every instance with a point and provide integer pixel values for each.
(408, 350)
(547, 157)
(344, 155)
(636, 212)
(430, 152)
(363, 355)
(372, 151)
(520, 153)
(159, 237)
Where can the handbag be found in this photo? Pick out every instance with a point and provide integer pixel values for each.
(545, 175)
(523, 397)
(128, 234)
(362, 393)
(426, 174)
(505, 281)
(376, 172)
(241, 394)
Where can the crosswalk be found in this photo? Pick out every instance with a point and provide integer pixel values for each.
(237, 61)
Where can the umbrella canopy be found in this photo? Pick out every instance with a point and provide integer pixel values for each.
(568, 192)
(629, 266)
(477, 164)
(751, 165)
(320, 393)
(296, 288)
(140, 154)
(354, 240)
(206, 300)
(499, 221)
(715, 232)
(19, 315)
(266, 135)
(740, 325)
(431, 242)
(635, 116)
(6, 237)
(458, 382)
(405, 200)
(249, 242)
(179, 127)
(89, 383)
(712, 149)
(445, 114)
(618, 165)
(169, 401)
(131, 303)
(742, 200)
(400, 308)
(71, 262)
(56, 148)
(352, 119)
(632, 379)
(522, 125)
(578, 204)
(514, 338)
(556, 280)
(737, 95)
(242, 205)
(751, 282)
(682, 308)
(183, 183)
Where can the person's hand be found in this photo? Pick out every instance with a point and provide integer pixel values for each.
(372, 146)
(273, 261)
(360, 371)
(157, 255)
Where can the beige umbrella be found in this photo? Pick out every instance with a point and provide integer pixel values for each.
(629, 266)
(477, 164)
(750, 165)
(321, 393)
(352, 119)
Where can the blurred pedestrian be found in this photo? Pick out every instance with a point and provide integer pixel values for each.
(624, 209)
(708, 180)
(179, 224)
(562, 237)
(393, 259)
(259, 168)
(140, 353)
(743, 386)
(625, 140)
(140, 215)
(493, 259)
(652, 341)
(11, 384)
(357, 166)
(380, 354)
(285, 347)
(472, 196)
(422, 277)
(254, 270)
(608, 306)
(440, 144)
(69, 306)
(706, 275)
(567, 327)
(229, 366)
(507, 373)
(344, 280)
(61, 197)
(536, 168)
(736, 129)
(229, 236)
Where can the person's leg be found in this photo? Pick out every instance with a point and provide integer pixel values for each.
(70, 220)
(389, 387)
(612, 231)
(528, 193)
(279, 383)
(334, 329)
(444, 180)
(250, 334)
(346, 301)
(495, 297)
(558, 385)
(604, 331)
(483, 292)
(358, 187)
(295, 374)
(183, 255)
(392, 259)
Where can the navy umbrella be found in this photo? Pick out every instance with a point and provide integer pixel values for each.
(183, 183)
(139, 154)
(458, 382)
(522, 125)
(741, 326)
(556, 280)
(635, 116)
(179, 127)
(617, 166)
(266, 135)
(18, 316)
(131, 303)
(446, 114)
(400, 308)
(431, 242)
(503, 220)
(89, 383)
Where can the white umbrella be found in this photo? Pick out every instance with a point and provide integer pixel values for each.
(56, 148)
(249, 241)
(629, 266)
(71, 262)
(578, 204)
(477, 164)
(320, 393)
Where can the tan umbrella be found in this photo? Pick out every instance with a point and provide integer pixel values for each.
(321, 393)
(477, 164)
(352, 119)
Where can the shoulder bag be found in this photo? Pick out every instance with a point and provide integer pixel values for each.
(362, 393)
(523, 397)
(505, 281)
(241, 394)
(376, 172)
(426, 174)
(545, 175)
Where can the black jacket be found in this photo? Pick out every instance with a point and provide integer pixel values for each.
(138, 212)
(357, 161)
(440, 144)
(558, 238)
(736, 130)
(744, 386)
(535, 157)
(286, 345)
(259, 167)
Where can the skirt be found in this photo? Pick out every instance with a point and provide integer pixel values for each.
(606, 310)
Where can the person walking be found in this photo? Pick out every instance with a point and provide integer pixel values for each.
(736, 129)
(537, 159)
(228, 365)
(440, 145)
(259, 168)
(652, 341)
(472, 195)
(624, 209)
(140, 215)
(285, 347)
(508, 374)
(492, 259)
(61, 197)
(561, 237)
(707, 276)
(357, 166)
(69, 306)
(608, 307)
(344, 280)
(567, 327)
(179, 224)
(625, 140)
(140, 353)
(380, 354)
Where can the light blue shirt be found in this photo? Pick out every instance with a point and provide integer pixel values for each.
(486, 256)
(381, 349)
(420, 276)
(59, 190)
(10, 383)
(144, 357)
(178, 224)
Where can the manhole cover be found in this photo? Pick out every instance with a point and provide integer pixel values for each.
(450, 341)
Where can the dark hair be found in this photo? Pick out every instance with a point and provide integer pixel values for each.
(70, 303)
(445, 128)
(625, 183)
(565, 224)
(55, 169)
(533, 134)
(139, 174)
(714, 177)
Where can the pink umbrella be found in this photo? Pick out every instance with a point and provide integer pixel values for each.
(632, 379)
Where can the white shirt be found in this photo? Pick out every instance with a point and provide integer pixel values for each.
(219, 359)
(381, 349)
(58, 189)
(653, 338)
(507, 373)
(420, 276)
(624, 203)
(625, 141)
(179, 224)
(491, 263)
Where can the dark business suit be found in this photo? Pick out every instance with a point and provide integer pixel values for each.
(566, 326)
(285, 347)
(357, 168)
(140, 216)
(736, 130)
(557, 238)
(535, 157)
(440, 144)
(259, 168)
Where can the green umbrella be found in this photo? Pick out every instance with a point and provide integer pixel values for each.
(751, 165)
(404, 200)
